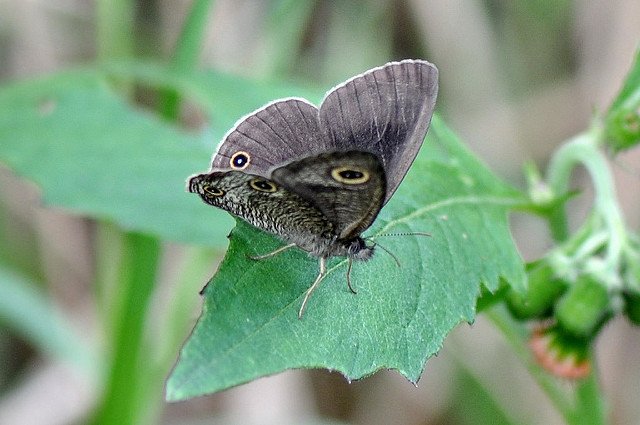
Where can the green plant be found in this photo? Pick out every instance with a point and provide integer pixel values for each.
(400, 316)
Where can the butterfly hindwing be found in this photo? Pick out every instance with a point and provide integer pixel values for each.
(348, 187)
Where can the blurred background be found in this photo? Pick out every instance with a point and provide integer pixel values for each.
(517, 77)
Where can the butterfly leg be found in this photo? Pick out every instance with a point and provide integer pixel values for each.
(353, 291)
(272, 253)
(321, 275)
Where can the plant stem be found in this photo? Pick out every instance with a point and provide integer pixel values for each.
(184, 59)
(127, 262)
(109, 242)
(136, 281)
(186, 54)
(584, 149)
(558, 223)
(577, 150)
(114, 28)
(589, 408)
(283, 41)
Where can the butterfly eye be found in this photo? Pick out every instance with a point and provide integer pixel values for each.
(213, 191)
(262, 185)
(350, 175)
(239, 160)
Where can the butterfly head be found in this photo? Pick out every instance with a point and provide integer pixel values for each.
(357, 249)
(194, 183)
(210, 187)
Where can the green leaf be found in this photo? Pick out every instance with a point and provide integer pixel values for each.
(91, 153)
(623, 118)
(400, 315)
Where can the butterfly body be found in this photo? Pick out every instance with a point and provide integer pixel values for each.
(318, 177)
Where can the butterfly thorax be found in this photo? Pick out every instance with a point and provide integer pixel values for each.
(355, 248)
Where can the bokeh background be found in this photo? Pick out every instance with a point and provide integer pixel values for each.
(517, 77)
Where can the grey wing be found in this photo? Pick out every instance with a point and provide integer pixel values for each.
(280, 132)
(348, 187)
(386, 111)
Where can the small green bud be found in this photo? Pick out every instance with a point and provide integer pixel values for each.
(623, 129)
(542, 292)
(584, 307)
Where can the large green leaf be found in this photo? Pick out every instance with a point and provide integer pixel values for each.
(400, 315)
(92, 153)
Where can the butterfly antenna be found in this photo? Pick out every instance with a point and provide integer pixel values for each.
(402, 234)
(387, 251)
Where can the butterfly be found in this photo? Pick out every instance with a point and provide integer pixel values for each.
(318, 177)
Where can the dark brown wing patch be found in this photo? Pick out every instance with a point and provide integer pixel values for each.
(348, 187)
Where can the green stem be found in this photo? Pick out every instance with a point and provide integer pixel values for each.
(128, 262)
(109, 242)
(116, 276)
(186, 54)
(583, 149)
(114, 20)
(558, 223)
(189, 43)
(136, 282)
(589, 408)
(563, 162)
(184, 59)
(283, 41)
